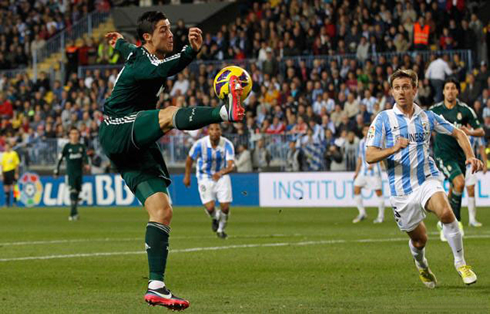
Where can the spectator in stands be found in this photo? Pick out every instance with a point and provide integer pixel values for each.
(261, 156)
(244, 159)
(421, 33)
(436, 73)
(293, 158)
(471, 92)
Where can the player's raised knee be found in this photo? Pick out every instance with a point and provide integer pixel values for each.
(447, 215)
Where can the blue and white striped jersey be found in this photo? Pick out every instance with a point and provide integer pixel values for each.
(411, 166)
(375, 170)
(211, 160)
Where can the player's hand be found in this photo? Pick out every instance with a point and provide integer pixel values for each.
(216, 176)
(195, 38)
(476, 164)
(112, 38)
(401, 143)
(484, 169)
(187, 181)
(370, 167)
(87, 168)
(466, 130)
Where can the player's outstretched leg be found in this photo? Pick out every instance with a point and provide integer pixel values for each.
(156, 243)
(360, 206)
(440, 206)
(197, 117)
(418, 239)
(223, 219)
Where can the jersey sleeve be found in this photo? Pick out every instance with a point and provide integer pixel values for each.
(150, 67)
(195, 151)
(440, 125)
(474, 122)
(125, 48)
(376, 134)
(229, 151)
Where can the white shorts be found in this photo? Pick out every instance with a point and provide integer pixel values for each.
(470, 178)
(409, 210)
(210, 190)
(368, 182)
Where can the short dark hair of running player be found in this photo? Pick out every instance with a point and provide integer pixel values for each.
(412, 75)
(452, 80)
(71, 132)
(147, 23)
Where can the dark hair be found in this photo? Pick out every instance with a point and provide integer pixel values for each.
(404, 73)
(74, 128)
(451, 80)
(148, 21)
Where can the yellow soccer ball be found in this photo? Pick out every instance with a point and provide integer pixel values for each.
(221, 86)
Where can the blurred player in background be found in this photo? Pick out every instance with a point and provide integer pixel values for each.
(10, 171)
(132, 126)
(76, 160)
(449, 155)
(369, 177)
(471, 179)
(215, 156)
(402, 136)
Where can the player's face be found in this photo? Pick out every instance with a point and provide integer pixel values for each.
(450, 92)
(403, 91)
(162, 37)
(214, 132)
(74, 136)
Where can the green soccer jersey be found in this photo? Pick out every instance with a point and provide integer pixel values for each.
(76, 156)
(460, 115)
(142, 79)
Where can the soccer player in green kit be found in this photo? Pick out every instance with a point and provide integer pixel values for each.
(76, 157)
(132, 126)
(449, 156)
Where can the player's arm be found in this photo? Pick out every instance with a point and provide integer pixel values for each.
(375, 142)
(188, 166)
(86, 160)
(17, 164)
(194, 154)
(56, 171)
(118, 42)
(376, 154)
(477, 130)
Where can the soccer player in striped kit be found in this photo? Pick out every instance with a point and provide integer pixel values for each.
(402, 136)
(369, 177)
(215, 156)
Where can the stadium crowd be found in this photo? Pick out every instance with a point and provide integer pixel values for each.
(309, 110)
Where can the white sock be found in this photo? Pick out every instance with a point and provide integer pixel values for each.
(360, 206)
(455, 241)
(214, 214)
(472, 209)
(223, 218)
(156, 284)
(223, 113)
(381, 207)
(418, 255)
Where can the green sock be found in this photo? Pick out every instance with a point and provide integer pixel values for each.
(74, 203)
(156, 241)
(455, 201)
(196, 117)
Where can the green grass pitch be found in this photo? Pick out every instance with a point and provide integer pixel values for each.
(294, 260)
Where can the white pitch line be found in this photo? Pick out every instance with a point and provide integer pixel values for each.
(217, 248)
(140, 239)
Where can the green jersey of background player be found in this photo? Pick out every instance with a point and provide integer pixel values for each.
(449, 156)
(76, 157)
(132, 127)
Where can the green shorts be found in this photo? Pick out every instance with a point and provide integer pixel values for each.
(74, 182)
(451, 167)
(130, 143)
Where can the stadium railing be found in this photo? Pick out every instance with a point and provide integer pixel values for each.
(465, 56)
(58, 42)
